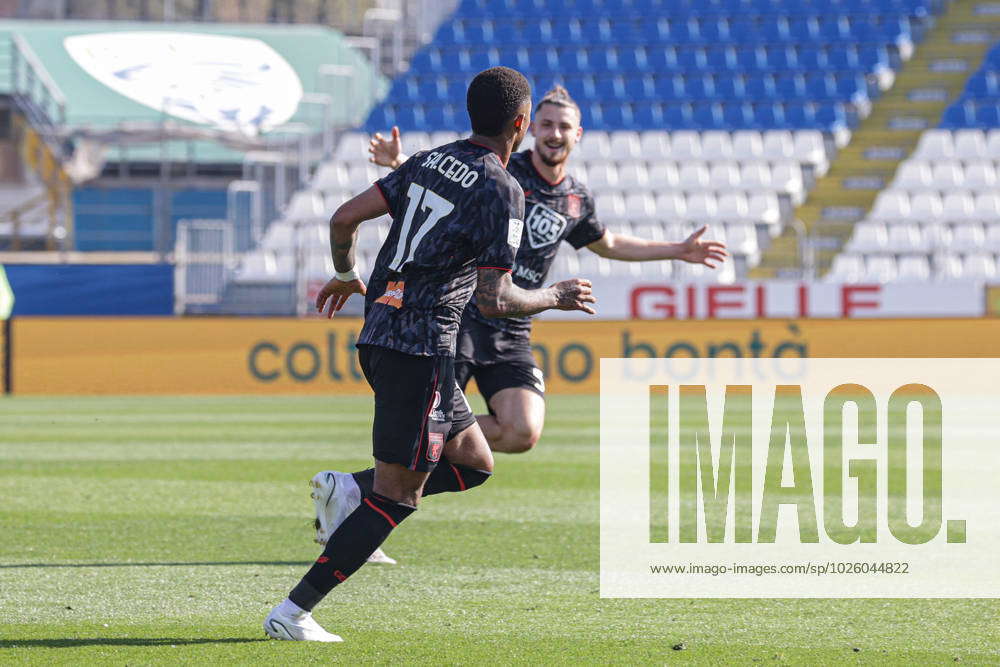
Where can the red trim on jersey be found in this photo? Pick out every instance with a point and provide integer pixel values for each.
(461, 482)
(498, 268)
(384, 198)
(532, 161)
(382, 512)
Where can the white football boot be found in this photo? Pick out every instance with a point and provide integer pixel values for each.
(299, 627)
(336, 495)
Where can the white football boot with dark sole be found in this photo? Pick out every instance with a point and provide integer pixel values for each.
(335, 495)
(300, 627)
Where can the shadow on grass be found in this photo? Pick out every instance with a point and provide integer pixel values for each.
(159, 564)
(120, 641)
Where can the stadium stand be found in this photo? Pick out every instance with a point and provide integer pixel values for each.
(723, 112)
(939, 218)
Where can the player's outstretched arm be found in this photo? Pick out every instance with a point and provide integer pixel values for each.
(387, 152)
(498, 296)
(633, 249)
(343, 236)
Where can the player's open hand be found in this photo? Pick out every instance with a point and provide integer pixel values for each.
(698, 251)
(386, 152)
(337, 292)
(574, 294)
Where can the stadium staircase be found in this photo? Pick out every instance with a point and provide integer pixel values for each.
(35, 207)
(924, 87)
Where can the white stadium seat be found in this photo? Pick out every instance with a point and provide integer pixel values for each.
(913, 175)
(304, 205)
(330, 176)
(846, 268)
(755, 175)
(890, 205)
(732, 206)
(992, 241)
(958, 206)
(442, 137)
(904, 239)
(936, 237)
(741, 239)
(987, 207)
(639, 205)
(256, 266)
(980, 176)
(724, 176)
(913, 268)
(765, 207)
(747, 145)
(967, 237)
(351, 145)
(593, 146)
(633, 176)
(625, 146)
(993, 145)
(655, 144)
(609, 206)
(970, 145)
(979, 266)
(868, 238)
(716, 145)
(701, 206)
(663, 175)
(935, 145)
(948, 176)
(280, 236)
(779, 145)
(685, 145)
(692, 176)
(602, 177)
(810, 148)
(318, 266)
(947, 266)
(422, 141)
(361, 175)
(925, 207)
(787, 177)
(671, 206)
(879, 268)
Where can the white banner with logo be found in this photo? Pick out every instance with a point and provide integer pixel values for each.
(622, 298)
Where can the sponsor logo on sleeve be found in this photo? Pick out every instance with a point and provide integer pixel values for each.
(515, 228)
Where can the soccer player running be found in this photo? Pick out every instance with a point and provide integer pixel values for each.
(457, 218)
(497, 351)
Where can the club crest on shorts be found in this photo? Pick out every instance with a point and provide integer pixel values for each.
(573, 206)
(435, 444)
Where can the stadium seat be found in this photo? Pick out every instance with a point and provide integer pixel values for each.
(956, 207)
(868, 238)
(765, 208)
(948, 176)
(913, 268)
(980, 176)
(947, 267)
(987, 206)
(671, 206)
(602, 177)
(913, 175)
(778, 145)
(970, 144)
(655, 143)
(610, 206)
(331, 177)
(716, 145)
(304, 205)
(639, 206)
(663, 176)
(890, 205)
(935, 145)
(732, 206)
(980, 267)
(633, 176)
(846, 269)
(747, 144)
(879, 269)
(594, 146)
(968, 237)
(685, 145)
(724, 176)
(905, 238)
(625, 146)
(925, 207)
(693, 176)
(701, 206)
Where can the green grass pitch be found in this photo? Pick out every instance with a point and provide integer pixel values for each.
(161, 530)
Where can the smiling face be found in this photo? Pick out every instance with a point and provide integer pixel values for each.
(556, 129)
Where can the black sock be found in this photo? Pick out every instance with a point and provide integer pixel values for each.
(349, 547)
(447, 476)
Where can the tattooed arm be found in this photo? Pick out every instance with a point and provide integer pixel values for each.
(498, 296)
(343, 236)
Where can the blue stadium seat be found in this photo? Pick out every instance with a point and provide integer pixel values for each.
(707, 116)
(760, 86)
(799, 115)
(957, 115)
(633, 59)
(669, 87)
(781, 58)
(721, 58)
(408, 117)
(656, 32)
(616, 117)
(602, 59)
(542, 60)
(750, 58)
(775, 30)
(512, 32)
(662, 59)
(744, 31)
(983, 84)
(648, 115)
(811, 58)
(567, 32)
(640, 88)
(803, 29)
(842, 57)
(699, 86)
(790, 86)
(767, 116)
(379, 120)
(440, 116)
(987, 114)
(691, 59)
(678, 116)
(736, 116)
(729, 87)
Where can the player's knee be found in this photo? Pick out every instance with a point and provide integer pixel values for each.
(522, 438)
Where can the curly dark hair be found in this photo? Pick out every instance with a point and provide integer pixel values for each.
(494, 97)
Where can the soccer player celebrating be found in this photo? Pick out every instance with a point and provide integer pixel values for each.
(457, 218)
(497, 352)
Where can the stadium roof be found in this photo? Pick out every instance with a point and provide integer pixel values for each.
(146, 73)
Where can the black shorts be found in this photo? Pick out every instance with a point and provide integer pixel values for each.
(496, 359)
(418, 406)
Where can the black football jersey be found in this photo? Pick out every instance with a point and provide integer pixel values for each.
(555, 212)
(454, 209)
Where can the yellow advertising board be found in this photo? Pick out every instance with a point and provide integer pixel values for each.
(290, 356)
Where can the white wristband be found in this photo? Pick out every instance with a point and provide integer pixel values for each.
(348, 276)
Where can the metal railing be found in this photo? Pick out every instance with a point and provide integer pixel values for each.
(24, 77)
(204, 256)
